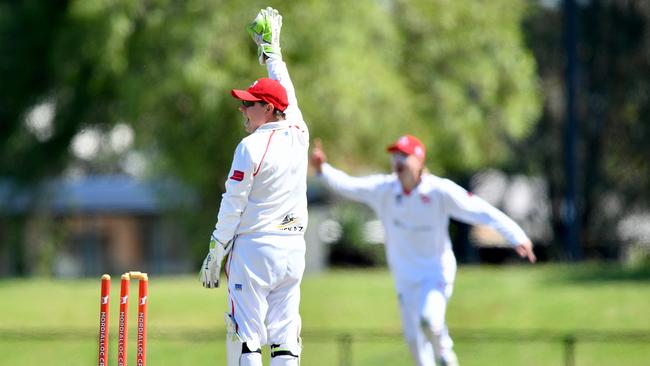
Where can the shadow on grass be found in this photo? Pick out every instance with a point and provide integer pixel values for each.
(598, 272)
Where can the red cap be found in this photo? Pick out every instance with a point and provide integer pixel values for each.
(409, 145)
(264, 89)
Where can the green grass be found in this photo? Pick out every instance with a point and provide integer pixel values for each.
(54, 322)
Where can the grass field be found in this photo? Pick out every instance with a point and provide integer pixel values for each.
(54, 322)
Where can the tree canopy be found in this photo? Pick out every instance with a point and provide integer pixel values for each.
(455, 73)
(613, 99)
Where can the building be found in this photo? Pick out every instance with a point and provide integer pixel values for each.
(93, 225)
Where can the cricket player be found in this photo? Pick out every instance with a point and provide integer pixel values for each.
(414, 208)
(263, 214)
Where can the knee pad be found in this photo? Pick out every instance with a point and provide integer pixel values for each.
(287, 349)
(288, 354)
(235, 346)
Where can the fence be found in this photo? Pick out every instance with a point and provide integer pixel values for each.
(346, 340)
(569, 340)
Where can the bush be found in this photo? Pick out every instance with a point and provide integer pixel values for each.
(352, 248)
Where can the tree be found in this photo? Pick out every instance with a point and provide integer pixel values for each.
(27, 31)
(612, 102)
(473, 78)
(365, 72)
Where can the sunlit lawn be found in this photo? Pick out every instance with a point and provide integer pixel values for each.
(54, 322)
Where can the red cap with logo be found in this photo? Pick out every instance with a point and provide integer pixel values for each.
(264, 89)
(409, 145)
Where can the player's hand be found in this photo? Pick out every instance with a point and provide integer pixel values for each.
(317, 157)
(265, 31)
(211, 268)
(525, 250)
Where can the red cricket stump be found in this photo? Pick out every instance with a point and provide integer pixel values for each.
(123, 327)
(103, 319)
(143, 292)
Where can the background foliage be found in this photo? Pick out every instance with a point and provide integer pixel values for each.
(613, 92)
(365, 72)
(353, 248)
(482, 82)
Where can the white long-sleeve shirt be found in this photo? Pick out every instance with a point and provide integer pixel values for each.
(266, 190)
(416, 224)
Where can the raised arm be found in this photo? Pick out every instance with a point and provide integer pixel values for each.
(471, 209)
(360, 189)
(265, 31)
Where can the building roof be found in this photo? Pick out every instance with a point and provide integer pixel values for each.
(94, 194)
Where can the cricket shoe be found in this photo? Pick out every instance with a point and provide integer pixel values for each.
(265, 31)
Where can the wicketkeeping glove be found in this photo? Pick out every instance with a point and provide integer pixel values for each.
(211, 268)
(265, 30)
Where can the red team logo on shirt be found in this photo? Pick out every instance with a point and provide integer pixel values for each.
(237, 175)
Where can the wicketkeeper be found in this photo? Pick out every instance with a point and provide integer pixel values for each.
(414, 208)
(263, 214)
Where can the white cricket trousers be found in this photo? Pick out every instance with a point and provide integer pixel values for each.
(264, 274)
(422, 308)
